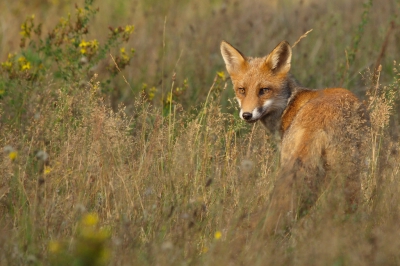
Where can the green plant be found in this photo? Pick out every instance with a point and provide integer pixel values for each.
(62, 56)
(89, 247)
(351, 54)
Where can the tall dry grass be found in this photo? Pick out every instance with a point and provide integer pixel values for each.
(190, 190)
(191, 185)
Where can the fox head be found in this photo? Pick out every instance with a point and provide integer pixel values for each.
(260, 84)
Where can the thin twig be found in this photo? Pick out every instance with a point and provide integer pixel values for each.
(162, 65)
(116, 65)
(347, 60)
(301, 37)
(250, 141)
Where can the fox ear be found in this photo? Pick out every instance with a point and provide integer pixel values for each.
(279, 59)
(234, 60)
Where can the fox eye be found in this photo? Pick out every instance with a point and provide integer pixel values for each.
(241, 90)
(263, 91)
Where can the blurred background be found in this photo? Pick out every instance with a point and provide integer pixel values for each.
(183, 37)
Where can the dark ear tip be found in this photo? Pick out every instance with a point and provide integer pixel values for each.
(285, 43)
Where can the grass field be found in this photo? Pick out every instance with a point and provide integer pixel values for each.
(149, 164)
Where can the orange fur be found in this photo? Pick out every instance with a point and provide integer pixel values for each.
(321, 131)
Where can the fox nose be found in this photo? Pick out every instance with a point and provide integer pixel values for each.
(247, 116)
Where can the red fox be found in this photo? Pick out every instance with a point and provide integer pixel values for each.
(321, 131)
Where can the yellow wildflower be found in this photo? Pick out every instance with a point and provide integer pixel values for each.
(94, 234)
(47, 170)
(24, 30)
(217, 235)
(54, 246)
(83, 46)
(94, 44)
(124, 56)
(89, 47)
(168, 99)
(24, 64)
(26, 27)
(7, 65)
(13, 155)
(221, 74)
(129, 29)
(90, 219)
(152, 93)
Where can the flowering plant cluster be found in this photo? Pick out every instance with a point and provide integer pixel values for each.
(66, 51)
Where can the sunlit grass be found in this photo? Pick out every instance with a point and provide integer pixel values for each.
(160, 171)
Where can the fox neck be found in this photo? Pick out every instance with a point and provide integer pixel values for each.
(273, 120)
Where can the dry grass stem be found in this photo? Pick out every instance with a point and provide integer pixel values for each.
(301, 37)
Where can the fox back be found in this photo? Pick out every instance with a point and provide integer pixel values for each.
(321, 131)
